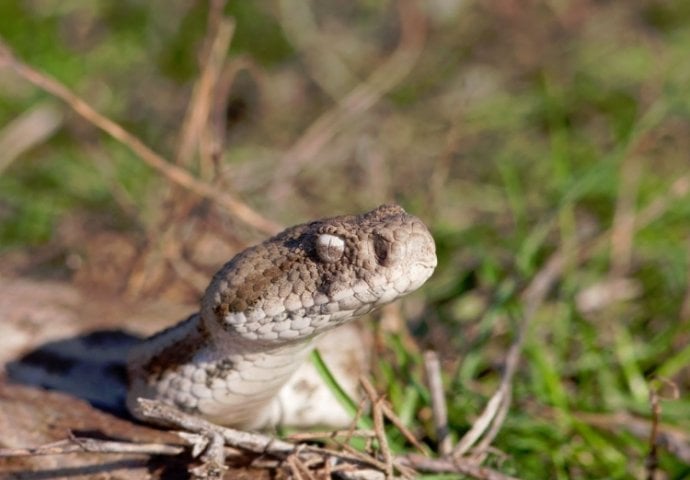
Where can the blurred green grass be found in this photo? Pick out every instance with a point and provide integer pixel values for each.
(514, 136)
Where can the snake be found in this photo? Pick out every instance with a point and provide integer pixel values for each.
(263, 311)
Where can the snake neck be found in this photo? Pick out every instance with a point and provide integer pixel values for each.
(199, 368)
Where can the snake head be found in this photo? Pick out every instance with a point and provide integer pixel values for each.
(315, 276)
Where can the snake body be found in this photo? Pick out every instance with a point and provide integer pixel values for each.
(263, 310)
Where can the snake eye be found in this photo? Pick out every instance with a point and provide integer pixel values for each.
(329, 247)
(381, 250)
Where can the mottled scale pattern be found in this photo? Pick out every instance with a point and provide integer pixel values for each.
(264, 308)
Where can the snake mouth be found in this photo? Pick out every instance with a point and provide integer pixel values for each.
(420, 272)
(423, 251)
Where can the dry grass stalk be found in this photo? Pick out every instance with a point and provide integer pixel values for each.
(449, 465)
(395, 420)
(533, 297)
(623, 225)
(173, 173)
(305, 436)
(432, 366)
(220, 31)
(359, 100)
(298, 469)
(379, 428)
(210, 442)
(28, 130)
(75, 444)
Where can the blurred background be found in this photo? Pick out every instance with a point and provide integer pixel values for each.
(541, 141)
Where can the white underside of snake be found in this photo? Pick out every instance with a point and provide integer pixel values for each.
(234, 362)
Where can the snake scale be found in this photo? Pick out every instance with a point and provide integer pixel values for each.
(263, 310)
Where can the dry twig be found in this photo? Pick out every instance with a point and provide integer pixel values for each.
(533, 297)
(432, 365)
(464, 467)
(652, 460)
(623, 225)
(496, 409)
(304, 436)
(178, 175)
(91, 445)
(207, 440)
(322, 61)
(298, 468)
(359, 100)
(673, 439)
(29, 129)
(221, 29)
(377, 414)
(395, 420)
(248, 441)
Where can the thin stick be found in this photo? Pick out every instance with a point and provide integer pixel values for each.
(673, 439)
(432, 366)
(221, 30)
(213, 459)
(172, 172)
(434, 465)
(652, 460)
(299, 469)
(533, 296)
(395, 420)
(91, 445)
(303, 436)
(356, 421)
(360, 99)
(623, 224)
(31, 128)
(364, 458)
(480, 425)
(257, 443)
(377, 413)
(252, 442)
(247, 441)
